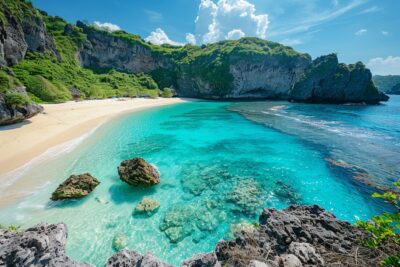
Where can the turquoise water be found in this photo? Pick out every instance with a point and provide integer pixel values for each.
(220, 163)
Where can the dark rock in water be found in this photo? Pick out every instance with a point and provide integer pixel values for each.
(76, 186)
(327, 81)
(137, 172)
(202, 260)
(42, 245)
(130, 258)
(13, 113)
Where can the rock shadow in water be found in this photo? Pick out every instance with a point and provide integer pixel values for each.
(123, 193)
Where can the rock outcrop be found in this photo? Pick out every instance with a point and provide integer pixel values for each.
(138, 172)
(130, 258)
(327, 81)
(296, 236)
(20, 33)
(12, 113)
(39, 246)
(76, 186)
(147, 206)
(105, 51)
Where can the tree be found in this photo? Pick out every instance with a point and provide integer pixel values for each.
(167, 93)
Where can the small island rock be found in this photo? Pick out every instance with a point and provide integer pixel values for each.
(137, 172)
(147, 205)
(76, 186)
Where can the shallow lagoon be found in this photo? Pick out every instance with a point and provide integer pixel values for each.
(219, 166)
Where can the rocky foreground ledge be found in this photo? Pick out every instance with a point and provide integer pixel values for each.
(293, 237)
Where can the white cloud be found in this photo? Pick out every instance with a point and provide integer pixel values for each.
(291, 42)
(385, 66)
(190, 38)
(371, 10)
(159, 37)
(385, 33)
(228, 19)
(235, 34)
(361, 32)
(314, 19)
(106, 26)
(153, 16)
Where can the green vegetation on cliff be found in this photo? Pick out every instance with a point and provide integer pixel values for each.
(49, 80)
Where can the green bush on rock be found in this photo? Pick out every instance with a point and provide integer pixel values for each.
(386, 227)
(16, 99)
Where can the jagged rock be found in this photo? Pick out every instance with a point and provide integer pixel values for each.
(328, 81)
(255, 263)
(76, 186)
(202, 260)
(137, 172)
(10, 114)
(39, 246)
(130, 258)
(295, 236)
(289, 260)
(147, 205)
(21, 34)
(306, 253)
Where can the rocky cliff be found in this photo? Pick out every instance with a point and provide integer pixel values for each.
(328, 81)
(103, 50)
(22, 29)
(294, 237)
(103, 63)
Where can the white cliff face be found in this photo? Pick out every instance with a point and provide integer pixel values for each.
(267, 79)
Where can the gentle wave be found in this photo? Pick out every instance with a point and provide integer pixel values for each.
(51, 153)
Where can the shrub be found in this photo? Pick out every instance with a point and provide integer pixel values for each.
(16, 99)
(46, 90)
(385, 227)
(167, 93)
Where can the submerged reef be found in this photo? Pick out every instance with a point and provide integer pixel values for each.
(295, 236)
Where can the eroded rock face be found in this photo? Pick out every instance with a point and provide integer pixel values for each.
(130, 258)
(76, 186)
(42, 245)
(137, 172)
(10, 114)
(19, 35)
(327, 81)
(104, 51)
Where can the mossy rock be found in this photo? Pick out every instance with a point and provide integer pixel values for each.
(138, 172)
(76, 186)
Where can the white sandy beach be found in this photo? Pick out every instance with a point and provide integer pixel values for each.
(59, 123)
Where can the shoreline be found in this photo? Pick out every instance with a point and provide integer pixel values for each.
(61, 123)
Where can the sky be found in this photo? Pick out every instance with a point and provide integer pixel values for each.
(365, 30)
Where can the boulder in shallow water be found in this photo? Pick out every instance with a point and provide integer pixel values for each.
(76, 186)
(137, 172)
(147, 206)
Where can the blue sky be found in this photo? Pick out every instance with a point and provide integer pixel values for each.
(366, 30)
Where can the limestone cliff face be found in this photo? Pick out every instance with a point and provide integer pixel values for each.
(328, 81)
(104, 51)
(19, 34)
(270, 78)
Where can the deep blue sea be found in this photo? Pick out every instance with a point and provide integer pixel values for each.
(220, 164)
